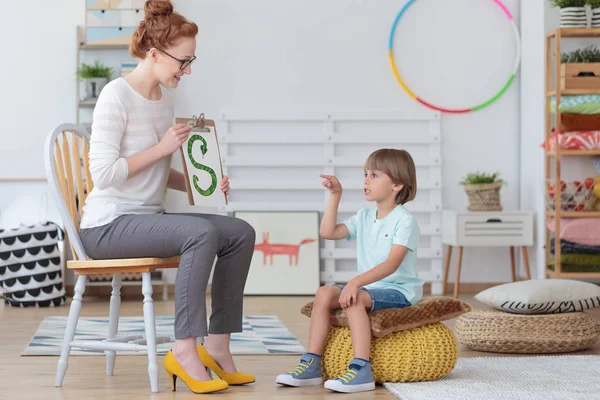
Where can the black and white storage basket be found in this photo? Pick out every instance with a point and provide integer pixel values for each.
(30, 266)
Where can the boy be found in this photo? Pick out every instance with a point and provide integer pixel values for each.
(387, 238)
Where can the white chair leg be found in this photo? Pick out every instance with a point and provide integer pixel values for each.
(150, 326)
(63, 361)
(113, 323)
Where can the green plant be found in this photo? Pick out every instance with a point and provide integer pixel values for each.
(97, 70)
(590, 54)
(569, 3)
(481, 178)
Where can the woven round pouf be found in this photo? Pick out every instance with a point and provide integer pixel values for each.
(501, 332)
(421, 354)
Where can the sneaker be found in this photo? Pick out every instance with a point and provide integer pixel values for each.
(307, 373)
(359, 378)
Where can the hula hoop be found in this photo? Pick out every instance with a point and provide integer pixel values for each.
(464, 110)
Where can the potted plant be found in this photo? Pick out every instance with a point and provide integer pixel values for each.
(95, 77)
(580, 69)
(483, 191)
(573, 13)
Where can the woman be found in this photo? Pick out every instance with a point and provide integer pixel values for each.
(130, 157)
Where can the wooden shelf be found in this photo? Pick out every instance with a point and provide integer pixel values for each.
(84, 46)
(575, 32)
(552, 159)
(574, 153)
(88, 103)
(574, 92)
(574, 214)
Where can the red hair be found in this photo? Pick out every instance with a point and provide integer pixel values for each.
(161, 28)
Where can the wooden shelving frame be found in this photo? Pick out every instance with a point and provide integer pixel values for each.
(553, 158)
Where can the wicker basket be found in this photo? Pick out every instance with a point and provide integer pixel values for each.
(484, 197)
(501, 332)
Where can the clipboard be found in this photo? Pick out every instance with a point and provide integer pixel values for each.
(201, 180)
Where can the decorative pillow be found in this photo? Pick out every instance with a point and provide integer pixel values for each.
(579, 122)
(546, 296)
(383, 322)
(426, 353)
(580, 140)
(500, 332)
(578, 230)
(585, 104)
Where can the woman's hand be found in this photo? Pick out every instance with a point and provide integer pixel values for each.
(225, 185)
(174, 139)
(332, 183)
(349, 295)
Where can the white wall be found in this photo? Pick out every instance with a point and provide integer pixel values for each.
(310, 54)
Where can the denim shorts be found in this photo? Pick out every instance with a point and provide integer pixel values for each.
(384, 298)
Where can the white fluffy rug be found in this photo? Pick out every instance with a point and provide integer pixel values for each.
(511, 378)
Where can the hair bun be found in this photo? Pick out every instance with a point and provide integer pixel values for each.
(158, 8)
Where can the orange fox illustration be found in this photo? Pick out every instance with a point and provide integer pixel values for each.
(271, 249)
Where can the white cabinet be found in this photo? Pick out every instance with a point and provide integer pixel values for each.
(486, 229)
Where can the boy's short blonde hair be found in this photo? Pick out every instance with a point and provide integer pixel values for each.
(400, 167)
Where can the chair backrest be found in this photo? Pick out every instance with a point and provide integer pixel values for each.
(68, 173)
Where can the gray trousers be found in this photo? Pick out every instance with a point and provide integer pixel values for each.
(197, 238)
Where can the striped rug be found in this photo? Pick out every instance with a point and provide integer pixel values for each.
(262, 334)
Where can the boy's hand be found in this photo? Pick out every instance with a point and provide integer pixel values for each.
(225, 185)
(349, 295)
(332, 183)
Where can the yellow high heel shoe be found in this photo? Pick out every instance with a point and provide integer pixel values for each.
(175, 370)
(234, 379)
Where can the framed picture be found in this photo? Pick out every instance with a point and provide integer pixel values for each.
(286, 258)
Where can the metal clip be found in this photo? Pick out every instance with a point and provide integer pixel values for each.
(197, 124)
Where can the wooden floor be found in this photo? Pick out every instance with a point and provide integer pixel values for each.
(33, 377)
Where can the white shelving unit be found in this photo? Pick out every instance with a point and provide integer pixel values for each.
(274, 159)
(83, 50)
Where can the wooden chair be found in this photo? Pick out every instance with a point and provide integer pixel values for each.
(67, 171)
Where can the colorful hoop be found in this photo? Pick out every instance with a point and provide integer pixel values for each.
(464, 110)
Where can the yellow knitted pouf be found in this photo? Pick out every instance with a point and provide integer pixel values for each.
(426, 353)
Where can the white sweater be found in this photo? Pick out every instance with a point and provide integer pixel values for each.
(124, 124)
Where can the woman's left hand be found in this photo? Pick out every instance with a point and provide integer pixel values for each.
(225, 185)
(349, 295)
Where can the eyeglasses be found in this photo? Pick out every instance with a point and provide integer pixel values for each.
(184, 63)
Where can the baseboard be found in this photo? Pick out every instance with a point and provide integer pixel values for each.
(136, 291)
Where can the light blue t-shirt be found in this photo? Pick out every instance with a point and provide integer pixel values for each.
(375, 238)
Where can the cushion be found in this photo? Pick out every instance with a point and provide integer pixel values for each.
(576, 268)
(578, 259)
(578, 230)
(383, 322)
(585, 104)
(422, 354)
(545, 296)
(579, 122)
(500, 332)
(579, 140)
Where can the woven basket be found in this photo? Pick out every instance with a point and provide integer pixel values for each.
(484, 197)
(501, 332)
